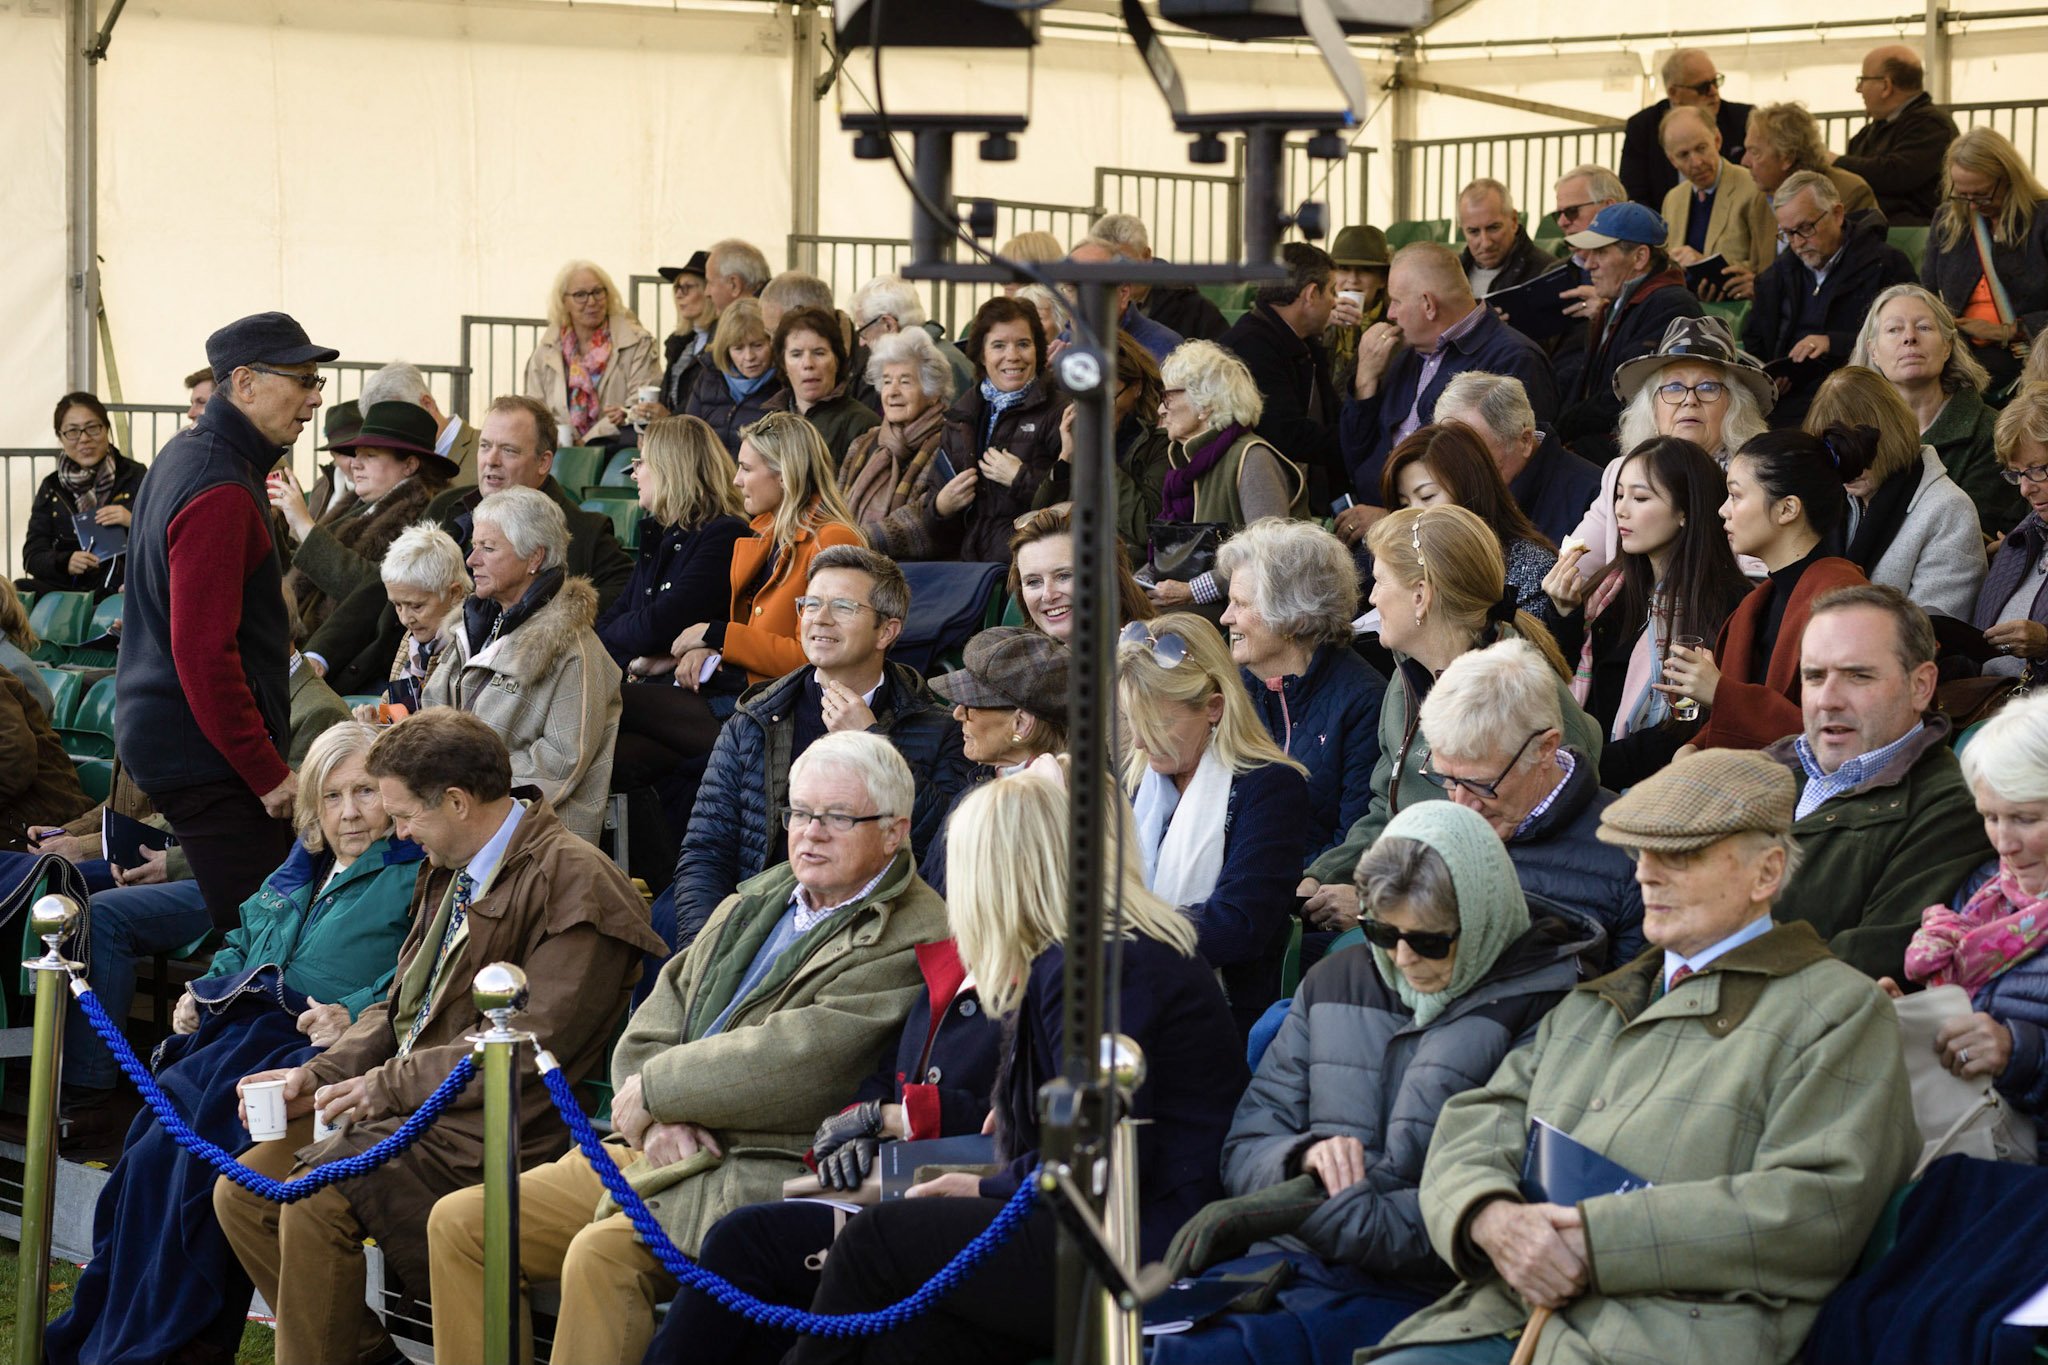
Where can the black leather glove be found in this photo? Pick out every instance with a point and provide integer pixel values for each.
(863, 1120)
(848, 1167)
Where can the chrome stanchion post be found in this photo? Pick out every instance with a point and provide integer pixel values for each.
(500, 993)
(52, 918)
(1123, 1322)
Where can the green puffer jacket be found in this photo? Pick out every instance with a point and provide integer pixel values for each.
(339, 943)
(794, 1050)
(1397, 779)
(1874, 857)
(1766, 1103)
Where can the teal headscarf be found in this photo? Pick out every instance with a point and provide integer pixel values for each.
(1492, 912)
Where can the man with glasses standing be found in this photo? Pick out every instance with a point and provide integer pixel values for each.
(205, 663)
(1690, 80)
(852, 611)
(751, 1037)
(1811, 302)
(1900, 150)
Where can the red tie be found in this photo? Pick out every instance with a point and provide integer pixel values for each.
(1681, 974)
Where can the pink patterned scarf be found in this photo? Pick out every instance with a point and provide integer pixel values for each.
(1998, 928)
(585, 368)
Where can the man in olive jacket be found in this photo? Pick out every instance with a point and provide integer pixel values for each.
(507, 882)
(1752, 1082)
(1886, 825)
(761, 1029)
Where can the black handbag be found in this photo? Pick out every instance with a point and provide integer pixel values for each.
(1184, 550)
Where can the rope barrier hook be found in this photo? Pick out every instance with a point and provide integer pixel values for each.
(53, 918)
(500, 992)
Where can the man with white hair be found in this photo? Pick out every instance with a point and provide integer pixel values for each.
(889, 303)
(1689, 78)
(1434, 330)
(1180, 308)
(1154, 336)
(1810, 304)
(734, 270)
(752, 1036)
(1498, 252)
(1551, 485)
(400, 382)
(1495, 728)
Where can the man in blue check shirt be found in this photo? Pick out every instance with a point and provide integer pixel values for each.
(1885, 823)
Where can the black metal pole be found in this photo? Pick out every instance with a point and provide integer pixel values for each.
(1081, 1107)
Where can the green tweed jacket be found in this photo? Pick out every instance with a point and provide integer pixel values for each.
(1766, 1103)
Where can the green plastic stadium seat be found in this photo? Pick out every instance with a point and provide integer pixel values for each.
(576, 466)
(90, 733)
(66, 691)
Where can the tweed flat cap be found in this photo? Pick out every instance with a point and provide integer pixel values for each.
(1010, 666)
(1702, 798)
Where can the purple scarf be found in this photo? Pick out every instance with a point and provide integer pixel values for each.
(1179, 504)
(2014, 560)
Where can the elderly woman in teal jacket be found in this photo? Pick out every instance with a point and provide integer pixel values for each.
(316, 946)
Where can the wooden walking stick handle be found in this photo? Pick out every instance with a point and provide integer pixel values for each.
(1525, 1349)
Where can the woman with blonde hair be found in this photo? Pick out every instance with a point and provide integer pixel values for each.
(742, 384)
(1987, 256)
(593, 357)
(1219, 827)
(18, 640)
(1917, 531)
(784, 476)
(1007, 908)
(691, 520)
(1219, 469)
(1440, 587)
(1033, 248)
(2012, 606)
(1910, 338)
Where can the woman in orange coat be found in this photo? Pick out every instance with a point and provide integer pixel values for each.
(1786, 502)
(795, 509)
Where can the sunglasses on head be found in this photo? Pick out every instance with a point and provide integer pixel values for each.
(1169, 650)
(1384, 936)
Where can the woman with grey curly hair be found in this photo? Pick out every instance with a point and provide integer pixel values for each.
(892, 474)
(1911, 338)
(1293, 591)
(1219, 469)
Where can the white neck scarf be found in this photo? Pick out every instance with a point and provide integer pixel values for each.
(1181, 834)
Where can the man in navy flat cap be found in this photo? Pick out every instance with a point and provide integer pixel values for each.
(205, 662)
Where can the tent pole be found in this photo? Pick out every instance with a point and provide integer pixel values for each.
(1936, 56)
(803, 124)
(81, 177)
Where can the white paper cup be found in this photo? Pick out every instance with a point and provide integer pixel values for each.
(648, 393)
(263, 1103)
(1357, 296)
(322, 1129)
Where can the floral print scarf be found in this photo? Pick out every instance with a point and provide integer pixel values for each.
(1999, 927)
(585, 368)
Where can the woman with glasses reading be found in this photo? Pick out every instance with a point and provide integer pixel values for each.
(1219, 804)
(1458, 975)
(1440, 587)
(2012, 606)
(1987, 256)
(91, 488)
(1786, 505)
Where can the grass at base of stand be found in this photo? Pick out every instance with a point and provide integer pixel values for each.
(259, 1343)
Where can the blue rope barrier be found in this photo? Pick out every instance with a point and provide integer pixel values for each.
(737, 1300)
(277, 1191)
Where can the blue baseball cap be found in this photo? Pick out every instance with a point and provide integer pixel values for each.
(263, 339)
(1632, 223)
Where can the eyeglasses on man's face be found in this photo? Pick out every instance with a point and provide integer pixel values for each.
(839, 822)
(305, 379)
(837, 608)
(1486, 791)
(1801, 232)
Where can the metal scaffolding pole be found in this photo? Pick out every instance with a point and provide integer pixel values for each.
(803, 123)
(81, 201)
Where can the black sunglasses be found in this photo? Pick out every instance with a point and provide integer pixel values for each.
(1384, 936)
(1485, 790)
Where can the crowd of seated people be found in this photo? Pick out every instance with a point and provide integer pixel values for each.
(1581, 714)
